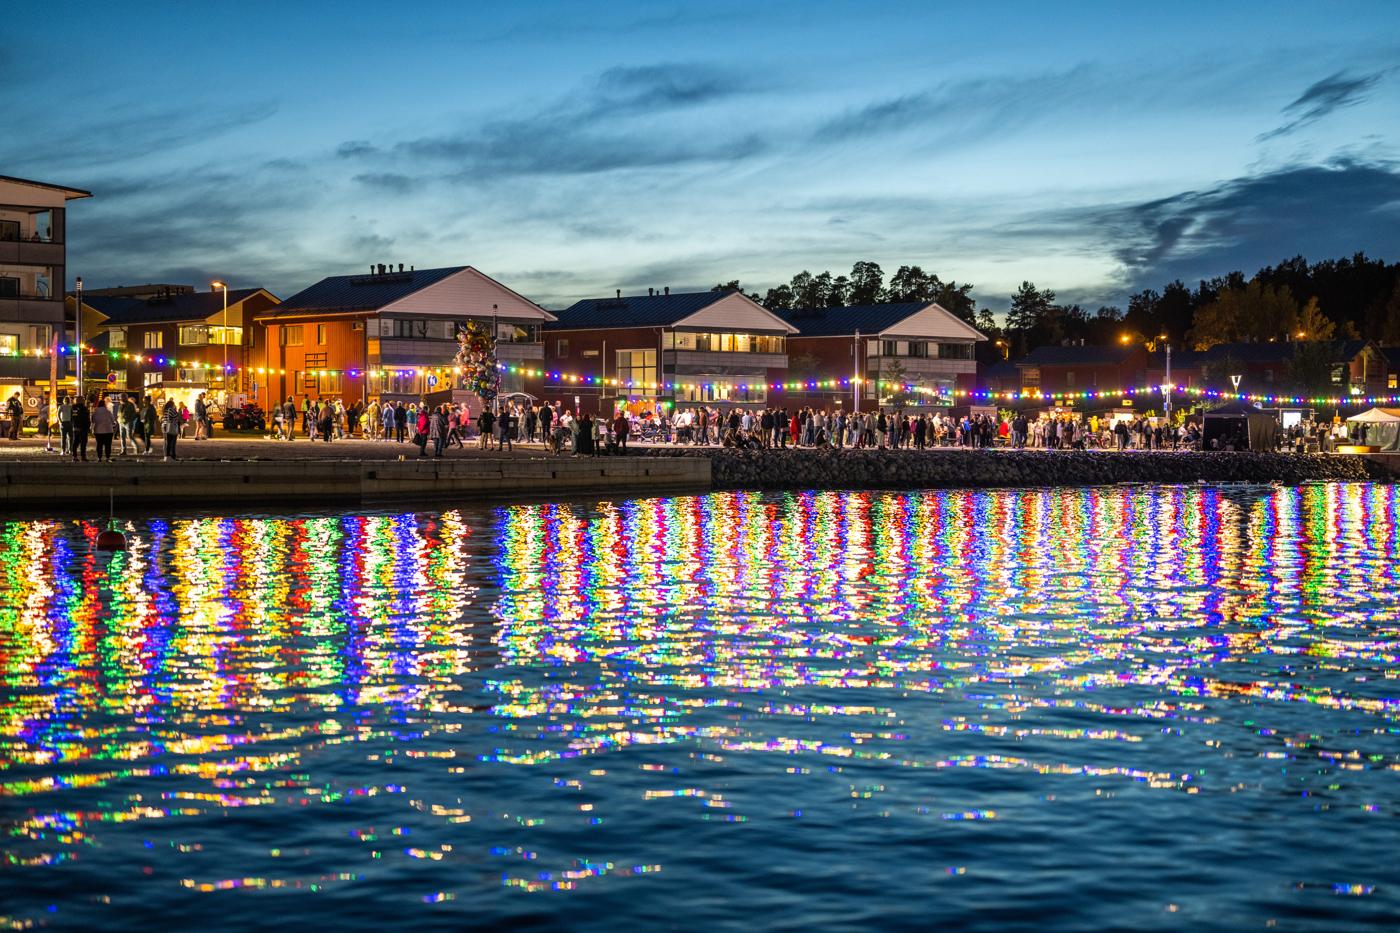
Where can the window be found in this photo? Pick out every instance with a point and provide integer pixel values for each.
(1069, 379)
(1269, 376)
(1030, 377)
(714, 388)
(291, 335)
(193, 335)
(955, 351)
(321, 335)
(918, 349)
(116, 337)
(329, 384)
(191, 375)
(152, 340)
(231, 336)
(414, 329)
(561, 348)
(154, 379)
(9, 344)
(637, 367)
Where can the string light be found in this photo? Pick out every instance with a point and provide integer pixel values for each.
(566, 379)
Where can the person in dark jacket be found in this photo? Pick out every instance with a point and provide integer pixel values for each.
(327, 421)
(82, 423)
(170, 424)
(621, 427)
(400, 422)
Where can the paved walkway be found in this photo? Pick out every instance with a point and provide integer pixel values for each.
(245, 447)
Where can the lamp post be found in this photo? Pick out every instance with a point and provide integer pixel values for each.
(495, 335)
(1167, 381)
(78, 340)
(224, 340)
(855, 378)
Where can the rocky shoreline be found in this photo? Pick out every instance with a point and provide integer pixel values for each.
(893, 469)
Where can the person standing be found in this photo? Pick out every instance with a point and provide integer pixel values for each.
(14, 410)
(104, 425)
(437, 431)
(150, 421)
(81, 424)
(505, 429)
(400, 422)
(546, 421)
(128, 424)
(170, 424)
(328, 423)
(386, 419)
(621, 427)
(289, 418)
(201, 416)
(65, 423)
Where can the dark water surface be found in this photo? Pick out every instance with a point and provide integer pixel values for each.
(1146, 708)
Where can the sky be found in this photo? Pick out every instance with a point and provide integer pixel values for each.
(569, 149)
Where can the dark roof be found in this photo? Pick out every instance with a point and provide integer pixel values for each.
(840, 322)
(194, 306)
(360, 292)
(76, 192)
(1276, 352)
(1078, 356)
(633, 310)
(1002, 370)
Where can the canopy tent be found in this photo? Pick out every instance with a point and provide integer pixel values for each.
(1239, 424)
(1379, 427)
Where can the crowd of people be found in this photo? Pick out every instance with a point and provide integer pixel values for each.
(136, 422)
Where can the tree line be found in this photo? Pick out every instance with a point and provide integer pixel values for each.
(1295, 300)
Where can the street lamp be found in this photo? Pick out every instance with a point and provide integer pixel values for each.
(224, 338)
(1005, 349)
(78, 340)
(1167, 382)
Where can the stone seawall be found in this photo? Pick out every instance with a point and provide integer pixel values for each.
(892, 469)
(30, 487)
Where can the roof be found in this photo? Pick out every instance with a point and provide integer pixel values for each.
(1087, 355)
(194, 306)
(634, 311)
(1002, 369)
(841, 322)
(1267, 352)
(73, 193)
(360, 292)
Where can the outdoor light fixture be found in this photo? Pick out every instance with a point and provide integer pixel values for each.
(223, 379)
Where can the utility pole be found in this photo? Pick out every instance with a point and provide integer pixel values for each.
(1167, 385)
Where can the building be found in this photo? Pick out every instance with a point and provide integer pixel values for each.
(33, 272)
(390, 334)
(174, 342)
(1083, 368)
(695, 348)
(1355, 367)
(918, 343)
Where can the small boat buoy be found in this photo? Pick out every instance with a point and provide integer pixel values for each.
(111, 540)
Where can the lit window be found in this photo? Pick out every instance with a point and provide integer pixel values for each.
(9, 344)
(561, 348)
(194, 335)
(152, 340)
(116, 337)
(291, 335)
(321, 335)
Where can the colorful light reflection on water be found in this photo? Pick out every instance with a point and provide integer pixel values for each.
(1144, 707)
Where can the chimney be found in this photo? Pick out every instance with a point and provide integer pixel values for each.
(668, 289)
(371, 268)
(651, 292)
(381, 268)
(619, 293)
(400, 267)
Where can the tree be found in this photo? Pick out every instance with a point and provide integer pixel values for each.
(867, 283)
(1310, 370)
(894, 391)
(956, 299)
(1311, 324)
(778, 299)
(1388, 333)
(1032, 320)
(840, 294)
(909, 283)
(805, 291)
(1252, 314)
(731, 286)
(821, 291)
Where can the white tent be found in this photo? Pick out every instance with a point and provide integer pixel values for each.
(1378, 416)
(1379, 427)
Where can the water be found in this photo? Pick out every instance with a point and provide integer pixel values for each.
(1145, 708)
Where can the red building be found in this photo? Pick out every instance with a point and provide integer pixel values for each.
(916, 343)
(390, 335)
(1083, 368)
(699, 348)
(175, 342)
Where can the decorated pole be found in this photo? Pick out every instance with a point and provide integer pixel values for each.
(477, 364)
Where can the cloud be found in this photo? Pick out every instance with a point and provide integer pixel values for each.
(1332, 93)
(1331, 209)
(387, 181)
(355, 148)
(129, 138)
(626, 118)
(968, 108)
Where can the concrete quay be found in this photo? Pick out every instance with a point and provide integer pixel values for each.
(30, 486)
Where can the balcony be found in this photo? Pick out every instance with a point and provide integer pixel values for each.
(718, 361)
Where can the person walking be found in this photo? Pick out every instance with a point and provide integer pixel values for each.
(170, 424)
(328, 421)
(150, 421)
(104, 425)
(400, 422)
(81, 424)
(505, 430)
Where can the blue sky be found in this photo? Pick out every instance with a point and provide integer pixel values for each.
(572, 148)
